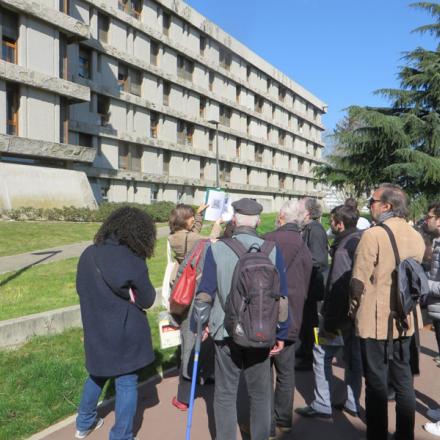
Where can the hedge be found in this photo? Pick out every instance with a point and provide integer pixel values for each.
(159, 211)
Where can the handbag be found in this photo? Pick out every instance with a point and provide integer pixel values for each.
(184, 288)
(169, 271)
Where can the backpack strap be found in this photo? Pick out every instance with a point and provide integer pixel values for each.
(392, 240)
(235, 245)
(267, 247)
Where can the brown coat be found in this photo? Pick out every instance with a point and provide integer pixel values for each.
(183, 241)
(372, 276)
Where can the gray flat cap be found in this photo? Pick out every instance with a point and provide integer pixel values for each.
(247, 207)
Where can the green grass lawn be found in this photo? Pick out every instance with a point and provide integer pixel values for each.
(42, 381)
(21, 237)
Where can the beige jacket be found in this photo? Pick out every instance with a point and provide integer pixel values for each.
(371, 283)
(183, 241)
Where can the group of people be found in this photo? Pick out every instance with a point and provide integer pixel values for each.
(267, 306)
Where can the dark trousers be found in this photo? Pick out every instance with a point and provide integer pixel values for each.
(306, 334)
(230, 362)
(377, 370)
(282, 396)
(436, 324)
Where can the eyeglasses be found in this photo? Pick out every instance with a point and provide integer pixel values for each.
(372, 201)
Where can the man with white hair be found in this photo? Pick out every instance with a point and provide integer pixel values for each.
(231, 359)
(298, 262)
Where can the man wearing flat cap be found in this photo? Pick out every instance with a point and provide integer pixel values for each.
(231, 359)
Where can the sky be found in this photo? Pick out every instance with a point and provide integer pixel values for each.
(340, 50)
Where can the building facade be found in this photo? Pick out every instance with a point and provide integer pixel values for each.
(138, 94)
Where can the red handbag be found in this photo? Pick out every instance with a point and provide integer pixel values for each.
(184, 288)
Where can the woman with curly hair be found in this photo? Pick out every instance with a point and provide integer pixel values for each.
(114, 289)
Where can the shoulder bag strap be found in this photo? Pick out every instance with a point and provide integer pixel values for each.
(235, 246)
(393, 242)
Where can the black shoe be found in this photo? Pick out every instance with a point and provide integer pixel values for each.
(342, 407)
(308, 411)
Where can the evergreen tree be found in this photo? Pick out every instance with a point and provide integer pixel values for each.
(400, 143)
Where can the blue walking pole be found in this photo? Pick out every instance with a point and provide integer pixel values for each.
(194, 379)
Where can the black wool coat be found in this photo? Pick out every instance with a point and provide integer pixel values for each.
(117, 337)
(298, 263)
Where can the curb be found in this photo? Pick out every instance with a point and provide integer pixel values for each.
(15, 332)
(63, 423)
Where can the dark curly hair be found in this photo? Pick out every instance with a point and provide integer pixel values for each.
(132, 227)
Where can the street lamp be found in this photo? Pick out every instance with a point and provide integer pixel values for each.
(215, 122)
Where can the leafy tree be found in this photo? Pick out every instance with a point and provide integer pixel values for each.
(399, 143)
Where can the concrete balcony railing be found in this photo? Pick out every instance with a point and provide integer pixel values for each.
(17, 145)
(32, 78)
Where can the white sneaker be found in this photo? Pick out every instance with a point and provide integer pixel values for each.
(434, 414)
(432, 428)
(83, 434)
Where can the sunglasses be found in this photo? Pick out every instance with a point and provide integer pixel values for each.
(372, 201)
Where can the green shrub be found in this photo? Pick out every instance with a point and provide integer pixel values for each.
(159, 212)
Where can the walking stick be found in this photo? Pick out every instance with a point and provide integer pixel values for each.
(194, 379)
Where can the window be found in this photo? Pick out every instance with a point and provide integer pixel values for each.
(185, 68)
(225, 115)
(259, 150)
(202, 167)
(274, 156)
(85, 140)
(154, 53)
(131, 7)
(225, 58)
(248, 125)
(185, 132)
(166, 23)
(64, 121)
(99, 63)
(282, 181)
(237, 94)
(154, 194)
(84, 65)
(130, 157)
(103, 27)
(300, 125)
(123, 77)
(281, 93)
(9, 23)
(154, 124)
(202, 106)
(12, 105)
(268, 84)
(63, 56)
(269, 129)
(237, 147)
(225, 171)
(211, 81)
(136, 157)
(103, 109)
(258, 103)
(273, 111)
(64, 6)
(248, 72)
(281, 137)
(202, 45)
(248, 175)
(300, 165)
(135, 78)
(166, 161)
(211, 139)
(166, 92)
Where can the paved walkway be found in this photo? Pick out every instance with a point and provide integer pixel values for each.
(29, 259)
(158, 420)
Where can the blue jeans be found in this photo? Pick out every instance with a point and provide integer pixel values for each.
(125, 407)
(322, 367)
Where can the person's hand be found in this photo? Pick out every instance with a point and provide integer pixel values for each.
(219, 221)
(205, 334)
(276, 349)
(201, 208)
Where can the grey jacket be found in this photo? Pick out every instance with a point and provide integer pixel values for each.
(434, 282)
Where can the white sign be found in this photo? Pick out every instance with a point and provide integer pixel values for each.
(169, 334)
(219, 206)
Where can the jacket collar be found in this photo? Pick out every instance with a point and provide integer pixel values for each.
(289, 227)
(245, 230)
(340, 237)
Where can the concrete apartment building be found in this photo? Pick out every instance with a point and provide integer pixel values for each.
(132, 94)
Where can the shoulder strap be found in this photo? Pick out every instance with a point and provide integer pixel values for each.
(186, 243)
(267, 247)
(235, 246)
(393, 242)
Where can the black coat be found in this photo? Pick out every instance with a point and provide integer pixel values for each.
(298, 262)
(117, 337)
(315, 237)
(336, 300)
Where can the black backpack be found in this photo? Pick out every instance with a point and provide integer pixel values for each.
(411, 284)
(252, 306)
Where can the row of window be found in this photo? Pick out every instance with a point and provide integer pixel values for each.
(130, 158)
